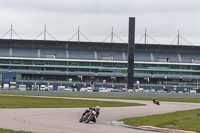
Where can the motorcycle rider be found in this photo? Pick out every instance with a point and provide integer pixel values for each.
(96, 109)
(155, 101)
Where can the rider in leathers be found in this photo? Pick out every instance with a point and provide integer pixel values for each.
(96, 109)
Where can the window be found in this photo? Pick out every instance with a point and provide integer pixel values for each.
(50, 68)
(61, 63)
(50, 63)
(196, 67)
(95, 64)
(73, 63)
(16, 61)
(27, 62)
(185, 67)
(72, 69)
(120, 65)
(60, 69)
(174, 67)
(4, 61)
(38, 62)
(82, 64)
(107, 64)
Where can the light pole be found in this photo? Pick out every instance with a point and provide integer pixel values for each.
(131, 50)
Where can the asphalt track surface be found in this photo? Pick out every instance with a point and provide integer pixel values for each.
(66, 120)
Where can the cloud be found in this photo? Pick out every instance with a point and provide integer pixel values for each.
(103, 6)
(162, 19)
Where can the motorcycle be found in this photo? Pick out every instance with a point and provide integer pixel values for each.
(88, 116)
(157, 102)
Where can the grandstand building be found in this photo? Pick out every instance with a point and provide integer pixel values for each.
(77, 64)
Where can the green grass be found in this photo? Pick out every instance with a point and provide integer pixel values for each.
(183, 120)
(35, 102)
(11, 131)
(188, 100)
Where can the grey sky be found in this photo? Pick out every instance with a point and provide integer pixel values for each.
(161, 18)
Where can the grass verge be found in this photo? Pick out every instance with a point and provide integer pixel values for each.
(11, 131)
(35, 102)
(188, 100)
(183, 120)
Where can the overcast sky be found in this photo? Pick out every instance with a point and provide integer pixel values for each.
(161, 18)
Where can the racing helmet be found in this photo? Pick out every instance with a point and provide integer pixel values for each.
(97, 108)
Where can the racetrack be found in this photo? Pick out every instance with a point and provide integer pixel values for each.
(66, 120)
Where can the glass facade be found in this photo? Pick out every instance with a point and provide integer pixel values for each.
(92, 66)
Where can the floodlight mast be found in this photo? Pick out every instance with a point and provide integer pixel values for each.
(131, 50)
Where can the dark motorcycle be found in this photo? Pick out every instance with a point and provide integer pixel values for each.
(88, 116)
(157, 102)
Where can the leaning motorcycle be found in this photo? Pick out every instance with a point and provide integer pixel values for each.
(157, 102)
(88, 116)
